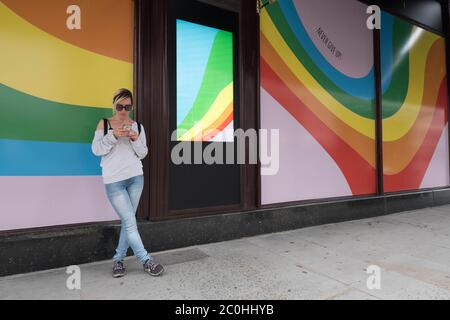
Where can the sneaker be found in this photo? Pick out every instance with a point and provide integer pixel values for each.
(118, 270)
(152, 268)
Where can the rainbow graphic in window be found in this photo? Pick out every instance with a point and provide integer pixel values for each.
(205, 86)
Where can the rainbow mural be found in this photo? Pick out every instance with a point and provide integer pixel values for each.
(317, 88)
(415, 107)
(56, 84)
(205, 87)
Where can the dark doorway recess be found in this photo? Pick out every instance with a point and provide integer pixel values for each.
(200, 186)
(187, 190)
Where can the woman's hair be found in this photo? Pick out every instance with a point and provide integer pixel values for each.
(122, 94)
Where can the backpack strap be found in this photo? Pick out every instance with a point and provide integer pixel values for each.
(105, 126)
(139, 128)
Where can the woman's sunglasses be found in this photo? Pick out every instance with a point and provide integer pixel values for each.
(120, 107)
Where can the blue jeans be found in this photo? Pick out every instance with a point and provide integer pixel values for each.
(124, 197)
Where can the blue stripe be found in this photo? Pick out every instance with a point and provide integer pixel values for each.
(28, 158)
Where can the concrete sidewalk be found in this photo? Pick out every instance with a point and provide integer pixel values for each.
(327, 262)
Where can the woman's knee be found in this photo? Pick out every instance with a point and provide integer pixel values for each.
(129, 223)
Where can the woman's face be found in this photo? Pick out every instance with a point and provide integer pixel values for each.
(123, 114)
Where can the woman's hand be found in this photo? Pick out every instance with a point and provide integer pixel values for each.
(134, 135)
(121, 133)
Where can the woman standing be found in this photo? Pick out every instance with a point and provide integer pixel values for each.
(122, 150)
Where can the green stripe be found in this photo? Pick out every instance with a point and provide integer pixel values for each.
(29, 118)
(395, 96)
(218, 75)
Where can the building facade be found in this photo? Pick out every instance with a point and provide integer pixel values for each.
(350, 105)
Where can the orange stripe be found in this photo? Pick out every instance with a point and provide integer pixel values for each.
(106, 25)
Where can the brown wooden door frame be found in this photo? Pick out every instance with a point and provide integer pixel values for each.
(152, 97)
(249, 95)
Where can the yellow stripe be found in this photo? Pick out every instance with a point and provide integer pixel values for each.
(219, 106)
(36, 63)
(399, 124)
(362, 125)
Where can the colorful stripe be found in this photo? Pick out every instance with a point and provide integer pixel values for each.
(26, 158)
(35, 119)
